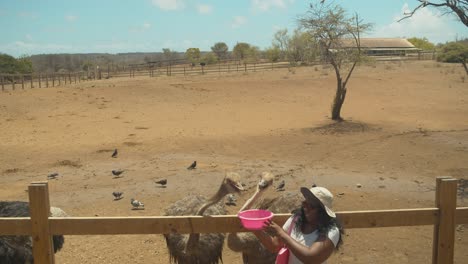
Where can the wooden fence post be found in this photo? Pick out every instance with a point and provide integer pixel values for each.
(40, 77)
(13, 82)
(39, 209)
(3, 87)
(435, 239)
(22, 82)
(47, 80)
(446, 233)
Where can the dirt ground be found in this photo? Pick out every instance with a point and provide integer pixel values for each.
(406, 124)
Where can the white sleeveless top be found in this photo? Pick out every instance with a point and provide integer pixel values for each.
(309, 239)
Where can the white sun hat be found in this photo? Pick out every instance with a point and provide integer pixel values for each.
(321, 195)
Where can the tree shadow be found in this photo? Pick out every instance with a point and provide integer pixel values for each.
(342, 127)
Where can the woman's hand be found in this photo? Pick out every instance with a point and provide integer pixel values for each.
(272, 228)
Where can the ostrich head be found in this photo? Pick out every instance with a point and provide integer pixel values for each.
(266, 181)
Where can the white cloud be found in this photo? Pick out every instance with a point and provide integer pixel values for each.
(28, 37)
(425, 22)
(140, 28)
(265, 5)
(146, 25)
(238, 21)
(204, 9)
(169, 4)
(71, 18)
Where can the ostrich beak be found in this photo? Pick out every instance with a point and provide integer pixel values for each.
(238, 186)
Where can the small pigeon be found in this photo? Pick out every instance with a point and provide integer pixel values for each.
(117, 173)
(114, 155)
(231, 199)
(192, 166)
(281, 186)
(137, 204)
(163, 182)
(52, 176)
(117, 195)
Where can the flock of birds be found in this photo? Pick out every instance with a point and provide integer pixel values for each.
(119, 173)
(136, 204)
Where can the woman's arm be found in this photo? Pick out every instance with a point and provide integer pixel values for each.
(318, 252)
(270, 243)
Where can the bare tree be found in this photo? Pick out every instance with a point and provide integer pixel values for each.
(457, 7)
(338, 37)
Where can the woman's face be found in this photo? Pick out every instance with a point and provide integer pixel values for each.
(311, 211)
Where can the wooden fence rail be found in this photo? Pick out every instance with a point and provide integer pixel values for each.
(444, 217)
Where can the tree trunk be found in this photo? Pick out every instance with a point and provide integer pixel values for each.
(339, 100)
(464, 66)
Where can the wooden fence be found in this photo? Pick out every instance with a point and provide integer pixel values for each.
(37, 80)
(444, 217)
(22, 81)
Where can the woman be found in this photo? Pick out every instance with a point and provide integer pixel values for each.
(315, 232)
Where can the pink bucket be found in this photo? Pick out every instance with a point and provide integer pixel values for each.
(254, 219)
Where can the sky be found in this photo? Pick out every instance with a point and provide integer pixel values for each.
(30, 27)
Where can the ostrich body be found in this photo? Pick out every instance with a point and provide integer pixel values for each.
(200, 248)
(253, 252)
(18, 249)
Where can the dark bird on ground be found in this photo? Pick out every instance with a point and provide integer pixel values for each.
(163, 182)
(114, 155)
(137, 204)
(52, 176)
(281, 186)
(192, 166)
(117, 173)
(117, 195)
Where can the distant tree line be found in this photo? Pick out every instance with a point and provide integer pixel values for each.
(11, 65)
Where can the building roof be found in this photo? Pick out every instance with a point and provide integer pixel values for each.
(380, 43)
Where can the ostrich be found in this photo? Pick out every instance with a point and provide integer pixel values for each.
(200, 248)
(18, 249)
(253, 252)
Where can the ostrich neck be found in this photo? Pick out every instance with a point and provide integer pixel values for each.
(214, 199)
(251, 200)
(195, 237)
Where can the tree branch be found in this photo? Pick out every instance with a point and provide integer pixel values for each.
(459, 7)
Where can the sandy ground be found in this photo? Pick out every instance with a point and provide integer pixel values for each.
(406, 123)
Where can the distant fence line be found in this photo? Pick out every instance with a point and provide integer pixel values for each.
(45, 80)
(22, 81)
